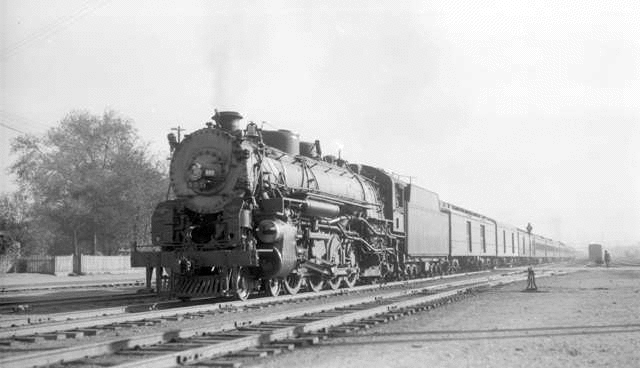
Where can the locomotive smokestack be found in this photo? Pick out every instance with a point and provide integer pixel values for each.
(228, 120)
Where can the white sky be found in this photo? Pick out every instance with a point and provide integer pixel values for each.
(524, 111)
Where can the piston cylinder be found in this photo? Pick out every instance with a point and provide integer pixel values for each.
(279, 237)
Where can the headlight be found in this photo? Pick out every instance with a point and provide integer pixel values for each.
(195, 171)
(206, 173)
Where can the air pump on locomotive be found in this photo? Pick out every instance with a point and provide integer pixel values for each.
(259, 210)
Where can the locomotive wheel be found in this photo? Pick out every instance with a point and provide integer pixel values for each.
(334, 283)
(242, 284)
(316, 283)
(273, 287)
(292, 283)
(350, 280)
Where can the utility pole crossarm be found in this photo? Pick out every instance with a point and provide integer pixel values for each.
(179, 130)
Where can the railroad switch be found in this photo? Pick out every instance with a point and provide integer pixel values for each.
(531, 280)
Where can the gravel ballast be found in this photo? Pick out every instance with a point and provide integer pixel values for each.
(585, 318)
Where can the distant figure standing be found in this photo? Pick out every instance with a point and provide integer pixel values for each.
(607, 258)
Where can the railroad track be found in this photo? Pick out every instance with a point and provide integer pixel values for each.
(29, 311)
(626, 263)
(12, 323)
(23, 313)
(75, 285)
(37, 304)
(52, 323)
(246, 334)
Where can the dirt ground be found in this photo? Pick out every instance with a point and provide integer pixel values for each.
(590, 318)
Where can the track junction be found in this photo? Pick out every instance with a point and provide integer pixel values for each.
(169, 333)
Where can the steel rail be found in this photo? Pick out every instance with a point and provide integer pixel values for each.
(187, 356)
(62, 321)
(115, 345)
(28, 318)
(221, 348)
(134, 282)
(62, 300)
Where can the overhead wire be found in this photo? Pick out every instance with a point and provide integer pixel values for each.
(12, 128)
(43, 30)
(33, 124)
(49, 30)
(52, 28)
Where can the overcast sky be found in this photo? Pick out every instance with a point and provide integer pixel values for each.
(526, 111)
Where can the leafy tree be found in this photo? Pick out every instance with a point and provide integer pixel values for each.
(13, 219)
(92, 182)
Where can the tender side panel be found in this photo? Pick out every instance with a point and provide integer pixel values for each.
(427, 226)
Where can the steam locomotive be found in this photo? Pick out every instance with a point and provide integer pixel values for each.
(255, 210)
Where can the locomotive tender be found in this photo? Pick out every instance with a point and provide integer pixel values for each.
(254, 209)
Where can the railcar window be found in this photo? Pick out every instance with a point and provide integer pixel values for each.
(484, 242)
(469, 235)
(504, 242)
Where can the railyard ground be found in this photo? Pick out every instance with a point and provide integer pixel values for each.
(587, 318)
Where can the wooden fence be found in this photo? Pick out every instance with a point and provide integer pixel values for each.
(55, 265)
(38, 264)
(105, 264)
(63, 265)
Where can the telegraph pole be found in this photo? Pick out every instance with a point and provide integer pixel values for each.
(179, 130)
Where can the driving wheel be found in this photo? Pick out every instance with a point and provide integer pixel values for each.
(292, 283)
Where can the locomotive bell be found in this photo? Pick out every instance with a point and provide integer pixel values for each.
(252, 131)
